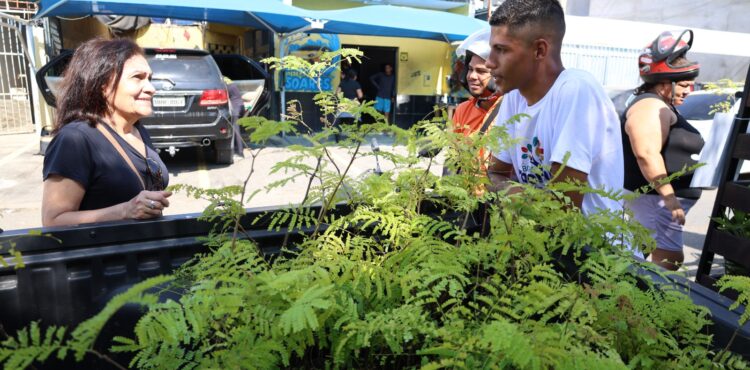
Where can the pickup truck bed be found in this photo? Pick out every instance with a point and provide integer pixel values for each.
(70, 274)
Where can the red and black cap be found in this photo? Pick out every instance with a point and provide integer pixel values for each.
(655, 62)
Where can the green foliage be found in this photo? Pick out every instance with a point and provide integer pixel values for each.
(393, 285)
(719, 87)
(15, 258)
(740, 284)
(30, 345)
(8, 247)
(736, 222)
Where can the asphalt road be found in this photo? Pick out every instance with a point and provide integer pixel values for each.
(21, 184)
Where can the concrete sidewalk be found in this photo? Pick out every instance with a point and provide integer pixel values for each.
(21, 167)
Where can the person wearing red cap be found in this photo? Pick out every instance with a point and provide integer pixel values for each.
(658, 142)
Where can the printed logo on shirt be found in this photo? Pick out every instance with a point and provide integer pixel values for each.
(532, 171)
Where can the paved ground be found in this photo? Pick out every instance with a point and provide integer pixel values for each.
(21, 185)
(21, 178)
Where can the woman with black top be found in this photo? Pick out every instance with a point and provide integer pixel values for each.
(350, 87)
(352, 90)
(658, 141)
(101, 165)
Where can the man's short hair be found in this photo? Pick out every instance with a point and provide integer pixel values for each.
(544, 15)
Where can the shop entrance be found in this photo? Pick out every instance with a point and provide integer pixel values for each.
(373, 61)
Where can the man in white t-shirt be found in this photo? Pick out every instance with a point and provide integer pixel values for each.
(568, 111)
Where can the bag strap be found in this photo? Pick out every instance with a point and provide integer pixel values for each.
(120, 150)
(490, 118)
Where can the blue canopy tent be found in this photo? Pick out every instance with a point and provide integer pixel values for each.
(379, 20)
(283, 20)
(271, 15)
(397, 21)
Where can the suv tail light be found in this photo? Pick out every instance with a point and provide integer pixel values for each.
(213, 97)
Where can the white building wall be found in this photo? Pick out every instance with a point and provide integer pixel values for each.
(714, 15)
(612, 67)
(719, 15)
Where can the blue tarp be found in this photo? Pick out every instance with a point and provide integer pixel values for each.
(263, 14)
(397, 21)
(379, 20)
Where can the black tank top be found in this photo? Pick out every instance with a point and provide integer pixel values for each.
(683, 141)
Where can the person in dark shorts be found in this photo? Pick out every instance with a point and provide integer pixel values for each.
(101, 165)
(385, 84)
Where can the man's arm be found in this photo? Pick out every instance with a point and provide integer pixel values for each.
(374, 81)
(571, 175)
(499, 173)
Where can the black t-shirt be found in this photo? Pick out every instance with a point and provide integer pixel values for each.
(683, 142)
(349, 88)
(82, 153)
(385, 84)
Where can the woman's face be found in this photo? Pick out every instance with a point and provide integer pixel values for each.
(132, 100)
(681, 90)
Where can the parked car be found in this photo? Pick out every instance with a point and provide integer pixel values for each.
(701, 106)
(620, 98)
(191, 106)
(699, 109)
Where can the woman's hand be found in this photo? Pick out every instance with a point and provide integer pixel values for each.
(673, 205)
(147, 204)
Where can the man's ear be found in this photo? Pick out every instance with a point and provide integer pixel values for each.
(541, 48)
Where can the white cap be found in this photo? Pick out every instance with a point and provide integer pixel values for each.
(478, 43)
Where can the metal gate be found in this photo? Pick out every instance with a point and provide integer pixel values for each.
(15, 89)
(612, 67)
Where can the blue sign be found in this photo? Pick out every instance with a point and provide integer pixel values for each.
(310, 49)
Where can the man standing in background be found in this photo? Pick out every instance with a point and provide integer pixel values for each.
(385, 84)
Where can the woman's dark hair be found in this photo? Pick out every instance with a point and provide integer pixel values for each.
(648, 86)
(351, 74)
(95, 64)
(644, 88)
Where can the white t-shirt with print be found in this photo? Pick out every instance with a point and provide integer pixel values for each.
(575, 116)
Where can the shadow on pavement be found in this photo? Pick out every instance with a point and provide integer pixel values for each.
(693, 240)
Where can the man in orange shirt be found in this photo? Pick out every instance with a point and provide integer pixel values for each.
(471, 115)
(476, 114)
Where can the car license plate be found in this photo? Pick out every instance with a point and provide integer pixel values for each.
(168, 101)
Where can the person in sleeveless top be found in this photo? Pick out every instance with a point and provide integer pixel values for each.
(658, 141)
(101, 165)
